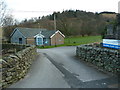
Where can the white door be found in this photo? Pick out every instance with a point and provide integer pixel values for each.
(39, 41)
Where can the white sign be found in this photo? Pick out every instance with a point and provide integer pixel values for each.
(111, 43)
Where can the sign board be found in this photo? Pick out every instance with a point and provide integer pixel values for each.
(111, 43)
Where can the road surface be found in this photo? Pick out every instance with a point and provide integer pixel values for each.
(42, 74)
(59, 68)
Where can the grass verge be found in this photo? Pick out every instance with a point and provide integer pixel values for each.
(74, 41)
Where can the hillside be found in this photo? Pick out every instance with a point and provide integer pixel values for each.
(109, 15)
(69, 22)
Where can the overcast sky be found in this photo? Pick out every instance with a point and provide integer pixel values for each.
(22, 9)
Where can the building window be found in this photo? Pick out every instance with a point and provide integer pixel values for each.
(20, 40)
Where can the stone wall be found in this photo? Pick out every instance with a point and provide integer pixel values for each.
(15, 66)
(105, 59)
(18, 47)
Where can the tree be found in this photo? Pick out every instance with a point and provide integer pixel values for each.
(2, 11)
(70, 22)
(8, 21)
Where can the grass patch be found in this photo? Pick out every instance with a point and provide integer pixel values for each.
(78, 40)
(82, 40)
(44, 47)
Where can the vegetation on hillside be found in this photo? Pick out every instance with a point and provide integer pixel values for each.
(69, 22)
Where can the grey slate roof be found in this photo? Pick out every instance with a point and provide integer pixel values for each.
(48, 33)
(31, 32)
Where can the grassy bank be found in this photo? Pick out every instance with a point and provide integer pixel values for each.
(82, 40)
(78, 40)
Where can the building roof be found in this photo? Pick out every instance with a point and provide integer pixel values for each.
(31, 32)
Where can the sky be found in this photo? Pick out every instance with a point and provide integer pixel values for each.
(22, 9)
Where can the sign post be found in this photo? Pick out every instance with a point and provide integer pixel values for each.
(112, 38)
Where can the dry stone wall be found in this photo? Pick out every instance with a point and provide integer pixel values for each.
(105, 59)
(15, 66)
(18, 47)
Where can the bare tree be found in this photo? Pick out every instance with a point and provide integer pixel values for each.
(2, 11)
(8, 21)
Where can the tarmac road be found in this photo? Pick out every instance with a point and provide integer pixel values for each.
(59, 68)
(78, 74)
(42, 74)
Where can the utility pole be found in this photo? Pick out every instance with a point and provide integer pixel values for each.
(54, 21)
(39, 25)
(55, 27)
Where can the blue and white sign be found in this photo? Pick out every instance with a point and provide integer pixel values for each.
(111, 43)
